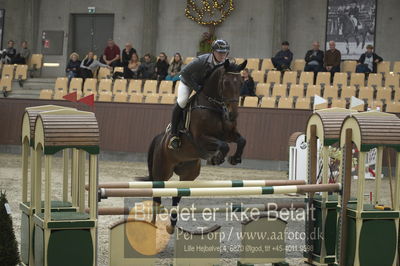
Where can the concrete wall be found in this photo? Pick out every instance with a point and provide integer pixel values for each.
(255, 28)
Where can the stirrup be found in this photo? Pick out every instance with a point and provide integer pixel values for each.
(174, 143)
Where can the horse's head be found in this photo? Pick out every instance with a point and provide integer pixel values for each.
(224, 86)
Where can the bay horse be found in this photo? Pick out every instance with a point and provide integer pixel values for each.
(349, 31)
(213, 122)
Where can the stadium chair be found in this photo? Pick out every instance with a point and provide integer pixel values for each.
(21, 72)
(105, 85)
(150, 87)
(376, 105)
(267, 64)
(167, 99)
(374, 80)
(59, 94)
(298, 65)
(321, 106)
(384, 68)
(253, 63)
(290, 77)
(357, 80)
(151, 98)
(75, 85)
(121, 97)
(339, 103)
(392, 81)
(296, 90)
(250, 101)
(104, 73)
(35, 63)
(279, 90)
(188, 60)
(120, 85)
(360, 108)
(136, 98)
(119, 69)
(285, 103)
(349, 66)
(166, 87)
(366, 93)
(323, 79)
(262, 89)
(46, 94)
(274, 77)
(347, 92)
(61, 85)
(175, 88)
(268, 102)
(87, 93)
(135, 86)
(384, 93)
(396, 67)
(313, 90)
(331, 92)
(90, 85)
(258, 75)
(306, 78)
(393, 107)
(303, 103)
(105, 96)
(239, 60)
(8, 71)
(340, 79)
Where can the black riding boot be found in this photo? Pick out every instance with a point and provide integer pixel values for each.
(175, 142)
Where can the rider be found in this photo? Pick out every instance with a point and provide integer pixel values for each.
(354, 13)
(192, 78)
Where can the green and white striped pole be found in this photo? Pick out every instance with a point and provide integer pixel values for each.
(216, 191)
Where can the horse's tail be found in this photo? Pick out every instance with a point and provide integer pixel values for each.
(150, 155)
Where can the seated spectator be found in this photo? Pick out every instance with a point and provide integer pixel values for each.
(314, 59)
(89, 65)
(73, 66)
(332, 59)
(248, 88)
(9, 53)
(23, 56)
(283, 58)
(132, 70)
(147, 68)
(127, 53)
(111, 54)
(162, 66)
(368, 62)
(175, 68)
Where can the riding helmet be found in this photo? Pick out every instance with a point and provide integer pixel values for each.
(220, 46)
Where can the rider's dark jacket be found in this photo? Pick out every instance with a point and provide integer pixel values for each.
(194, 74)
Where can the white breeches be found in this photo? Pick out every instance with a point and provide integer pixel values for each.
(183, 94)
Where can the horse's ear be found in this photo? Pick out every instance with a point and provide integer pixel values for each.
(242, 65)
(227, 64)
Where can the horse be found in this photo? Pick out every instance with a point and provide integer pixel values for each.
(349, 31)
(213, 124)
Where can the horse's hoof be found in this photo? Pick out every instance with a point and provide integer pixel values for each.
(170, 229)
(217, 161)
(234, 160)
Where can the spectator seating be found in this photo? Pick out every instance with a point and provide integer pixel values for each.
(366, 93)
(35, 63)
(104, 73)
(120, 85)
(267, 65)
(46, 94)
(323, 79)
(188, 60)
(393, 107)
(290, 77)
(357, 79)
(339, 103)
(105, 96)
(374, 80)
(348, 92)
(21, 72)
(262, 89)
(135, 86)
(396, 67)
(313, 90)
(76, 85)
(61, 85)
(384, 67)
(151, 98)
(90, 86)
(296, 90)
(384, 94)
(8, 71)
(274, 77)
(168, 99)
(239, 60)
(303, 103)
(349, 66)
(267, 102)
(253, 63)
(306, 78)
(120, 96)
(258, 75)
(105, 85)
(150, 87)
(118, 69)
(166, 87)
(298, 65)
(59, 94)
(340, 79)
(136, 98)
(250, 101)
(285, 103)
(331, 92)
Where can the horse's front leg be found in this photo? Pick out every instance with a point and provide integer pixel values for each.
(216, 149)
(240, 144)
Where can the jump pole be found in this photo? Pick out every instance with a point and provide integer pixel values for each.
(212, 191)
(217, 208)
(200, 184)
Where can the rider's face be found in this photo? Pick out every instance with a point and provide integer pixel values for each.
(220, 57)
